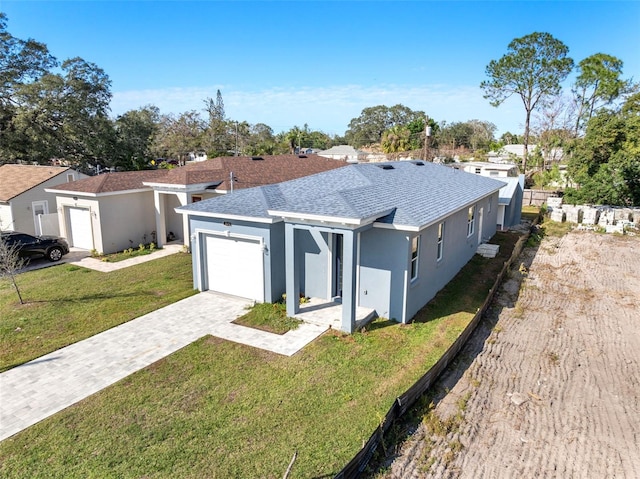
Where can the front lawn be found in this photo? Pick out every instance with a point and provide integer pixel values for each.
(218, 409)
(270, 317)
(66, 303)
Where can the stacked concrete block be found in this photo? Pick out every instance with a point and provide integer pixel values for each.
(624, 214)
(554, 202)
(590, 215)
(557, 215)
(573, 214)
(607, 216)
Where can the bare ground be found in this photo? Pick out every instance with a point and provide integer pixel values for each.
(549, 385)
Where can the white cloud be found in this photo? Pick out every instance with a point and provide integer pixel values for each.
(329, 109)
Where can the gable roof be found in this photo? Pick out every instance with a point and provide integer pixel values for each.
(216, 172)
(508, 191)
(248, 171)
(111, 182)
(16, 179)
(410, 195)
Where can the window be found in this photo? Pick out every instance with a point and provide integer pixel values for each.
(415, 248)
(70, 177)
(489, 208)
(440, 240)
(478, 170)
(470, 220)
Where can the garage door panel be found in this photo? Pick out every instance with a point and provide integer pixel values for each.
(235, 266)
(81, 232)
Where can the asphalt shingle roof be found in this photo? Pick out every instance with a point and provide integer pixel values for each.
(408, 195)
(16, 179)
(216, 171)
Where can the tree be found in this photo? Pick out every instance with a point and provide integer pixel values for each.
(369, 127)
(219, 132)
(261, 140)
(396, 139)
(135, 131)
(605, 164)
(533, 68)
(177, 137)
(11, 263)
(598, 84)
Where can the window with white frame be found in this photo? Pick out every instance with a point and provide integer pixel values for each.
(440, 240)
(415, 253)
(471, 220)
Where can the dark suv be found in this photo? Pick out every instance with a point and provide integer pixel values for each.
(51, 247)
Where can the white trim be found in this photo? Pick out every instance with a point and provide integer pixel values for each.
(291, 216)
(440, 241)
(252, 219)
(172, 187)
(94, 195)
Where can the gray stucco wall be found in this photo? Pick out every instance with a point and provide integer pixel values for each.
(458, 249)
(312, 261)
(273, 253)
(513, 211)
(384, 259)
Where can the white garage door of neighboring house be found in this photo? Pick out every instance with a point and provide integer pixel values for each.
(235, 266)
(80, 223)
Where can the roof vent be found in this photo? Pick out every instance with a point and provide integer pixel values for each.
(256, 158)
(302, 156)
(386, 167)
(418, 163)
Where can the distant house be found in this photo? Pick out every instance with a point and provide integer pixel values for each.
(115, 211)
(495, 170)
(345, 153)
(381, 236)
(25, 205)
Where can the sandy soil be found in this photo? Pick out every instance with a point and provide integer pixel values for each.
(549, 385)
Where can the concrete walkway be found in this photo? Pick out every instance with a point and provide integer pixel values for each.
(34, 391)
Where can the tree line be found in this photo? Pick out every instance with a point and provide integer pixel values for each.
(60, 110)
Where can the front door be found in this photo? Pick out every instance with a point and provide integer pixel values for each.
(39, 208)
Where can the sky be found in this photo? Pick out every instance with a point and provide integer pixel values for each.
(318, 63)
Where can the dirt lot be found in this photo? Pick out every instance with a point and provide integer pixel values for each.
(549, 385)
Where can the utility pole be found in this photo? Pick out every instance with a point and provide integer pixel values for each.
(427, 137)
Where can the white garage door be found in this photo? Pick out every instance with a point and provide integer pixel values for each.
(80, 222)
(235, 266)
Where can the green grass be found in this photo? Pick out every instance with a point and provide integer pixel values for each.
(218, 409)
(67, 303)
(271, 317)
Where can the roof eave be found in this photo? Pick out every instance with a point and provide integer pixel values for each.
(224, 216)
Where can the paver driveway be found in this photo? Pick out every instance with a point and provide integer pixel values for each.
(36, 390)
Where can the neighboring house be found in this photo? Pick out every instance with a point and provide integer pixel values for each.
(115, 211)
(197, 156)
(108, 212)
(494, 170)
(510, 202)
(381, 236)
(345, 153)
(25, 206)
